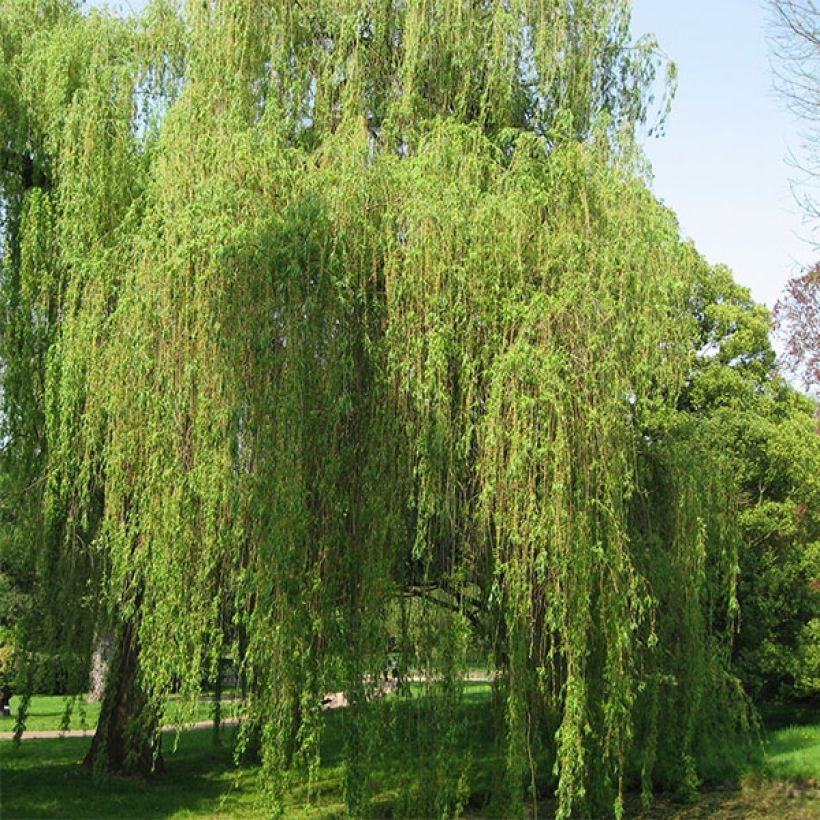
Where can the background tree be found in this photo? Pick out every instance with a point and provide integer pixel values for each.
(796, 38)
(797, 321)
(768, 432)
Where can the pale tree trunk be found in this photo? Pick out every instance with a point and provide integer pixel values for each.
(100, 661)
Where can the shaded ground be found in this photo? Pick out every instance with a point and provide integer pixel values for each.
(775, 800)
(42, 778)
(762, 800)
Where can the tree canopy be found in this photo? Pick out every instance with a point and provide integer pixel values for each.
(339, 324)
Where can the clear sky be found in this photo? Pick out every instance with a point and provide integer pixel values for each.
(721, 164)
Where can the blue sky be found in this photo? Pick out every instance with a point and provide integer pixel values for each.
(721, 165)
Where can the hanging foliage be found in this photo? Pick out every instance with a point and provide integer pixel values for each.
(361, 322)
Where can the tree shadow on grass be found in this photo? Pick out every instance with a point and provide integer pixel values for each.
(793, 742)
(43, 778)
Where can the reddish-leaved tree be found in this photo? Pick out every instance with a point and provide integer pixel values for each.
(797, 322)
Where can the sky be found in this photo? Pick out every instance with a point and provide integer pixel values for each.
(721, 165)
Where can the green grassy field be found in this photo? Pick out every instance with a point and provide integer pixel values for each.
(791, 753)
(42, 778)
(54, 712)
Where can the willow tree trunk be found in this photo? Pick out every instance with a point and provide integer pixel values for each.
(127, 741)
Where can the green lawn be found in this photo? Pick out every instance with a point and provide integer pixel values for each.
(50, 711)
(42, 778)
(791, 753)
(54, 712)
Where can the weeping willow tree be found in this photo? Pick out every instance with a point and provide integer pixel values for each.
(361, 314)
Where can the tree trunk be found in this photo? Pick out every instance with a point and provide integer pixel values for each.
(100, 662)
(127, 741)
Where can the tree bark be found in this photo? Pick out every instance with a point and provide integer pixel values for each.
(127, 740)
(100, 663)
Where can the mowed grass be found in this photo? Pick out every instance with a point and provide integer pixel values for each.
(791, 753)
(56, 713)
(43, 778)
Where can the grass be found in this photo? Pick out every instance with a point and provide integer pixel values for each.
(48, 712)
(55, 712)
(791, 753)
(42, 778)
